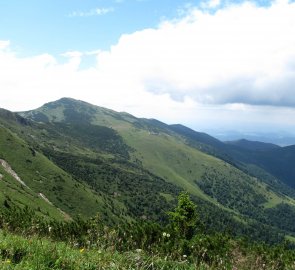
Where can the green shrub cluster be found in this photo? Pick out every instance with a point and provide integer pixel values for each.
(180, 241)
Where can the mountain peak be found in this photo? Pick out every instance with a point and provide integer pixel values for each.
(64, 109)
(67, 101)
(75, 111)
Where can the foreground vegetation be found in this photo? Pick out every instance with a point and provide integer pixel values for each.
(30, 242)
(39, 253)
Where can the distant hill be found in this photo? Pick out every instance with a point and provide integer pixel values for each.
(91, 160)
(281, 138)
(197, 136)
(279, 162)
(253, 145)
(269, 162)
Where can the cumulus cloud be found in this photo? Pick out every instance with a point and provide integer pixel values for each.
(237, 62)
(241, 53)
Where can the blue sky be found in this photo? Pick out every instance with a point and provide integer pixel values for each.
(207, 63)
(56, 26)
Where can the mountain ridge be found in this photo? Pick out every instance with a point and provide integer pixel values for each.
(253, 145)
(135, 167)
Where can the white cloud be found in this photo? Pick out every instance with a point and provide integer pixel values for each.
(4, 44)
(211, 4)
(205, 68)
(241, 53)
(92, 12)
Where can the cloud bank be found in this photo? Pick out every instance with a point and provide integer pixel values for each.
(239, 54)
(237, 62)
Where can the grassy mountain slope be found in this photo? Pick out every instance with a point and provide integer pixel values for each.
(270, 163)
(205, 176)
(13, 194)
(96, 157)
(144, 163)
(43, 176)
(152, 144)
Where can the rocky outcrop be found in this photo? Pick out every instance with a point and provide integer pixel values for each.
(45, 198)
(9, 170)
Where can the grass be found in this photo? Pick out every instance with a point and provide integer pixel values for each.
(168, 159)
(290, 238)
(167, 196)
(35, 253)
(274, 200)
(22, 253)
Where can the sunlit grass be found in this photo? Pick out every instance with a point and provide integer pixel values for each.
(39, 253)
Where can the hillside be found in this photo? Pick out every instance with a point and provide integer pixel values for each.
(46, 186)
(279, 162)
(78, 179)
(268, 162)
(253, 145)
(135, 168)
